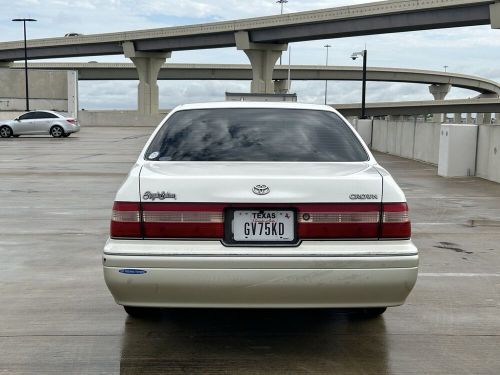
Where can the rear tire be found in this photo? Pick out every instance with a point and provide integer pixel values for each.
(5, 131)
(57, 131)
(142, 312)
(373, 312)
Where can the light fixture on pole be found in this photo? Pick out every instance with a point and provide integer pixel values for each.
(327, 46)
(354, 56)
(445, 67)
(282, 2)
(24, 20)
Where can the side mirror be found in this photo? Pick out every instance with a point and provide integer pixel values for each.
(17, 119)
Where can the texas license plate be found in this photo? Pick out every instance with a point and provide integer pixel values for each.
(264, 225)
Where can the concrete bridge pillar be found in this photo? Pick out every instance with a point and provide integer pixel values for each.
(497, 118)
(281, 86)
(438, 117)
(468, 119)
(480, 118)
(487, 119)
(148, 65)
(457, 118)
(263, 57)
(495, 15)
(439, 91)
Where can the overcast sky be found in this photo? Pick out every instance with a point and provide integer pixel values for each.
(471, 50)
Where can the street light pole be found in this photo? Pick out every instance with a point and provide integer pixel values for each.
(24, 20)
(363, 100)
(282, 2)
(327, 46)
(354, 56)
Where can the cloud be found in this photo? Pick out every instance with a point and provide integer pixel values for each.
(107, 95)
(181, 92)
(173, 93)
(470, 50)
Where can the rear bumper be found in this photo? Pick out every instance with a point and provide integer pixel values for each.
(288, 280)
(72, 129)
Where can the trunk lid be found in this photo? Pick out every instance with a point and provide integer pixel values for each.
(234, 182)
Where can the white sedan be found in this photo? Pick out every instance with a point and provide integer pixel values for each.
(259, 205)
(39, 123)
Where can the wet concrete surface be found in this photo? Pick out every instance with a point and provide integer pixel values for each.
(56, 315)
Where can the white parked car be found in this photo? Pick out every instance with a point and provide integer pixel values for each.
(274, 205)
(39, 122)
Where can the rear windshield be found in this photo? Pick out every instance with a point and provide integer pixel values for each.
(255, 134)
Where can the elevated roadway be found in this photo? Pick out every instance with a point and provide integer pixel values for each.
(422, 107)
(124, 71)
(363, 19)
(262, 39)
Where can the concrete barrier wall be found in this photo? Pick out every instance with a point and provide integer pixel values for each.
(47, 89)
(46, 84)
(103, 118)
(408, 139)
(427, 142)
(19, 104)
(118, 118)
(488, 155)
(420, 141)
(380, 135)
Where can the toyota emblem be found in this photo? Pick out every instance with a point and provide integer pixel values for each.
(260, 189)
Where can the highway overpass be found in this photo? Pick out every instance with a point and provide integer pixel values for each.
(124, 71)
(262, 39)
(363, 19)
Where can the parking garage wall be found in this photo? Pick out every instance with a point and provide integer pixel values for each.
(408, 139)
(420, 141)
(118, 118)
(488, 153)
(48, 89)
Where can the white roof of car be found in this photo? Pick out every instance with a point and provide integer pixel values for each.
(249, 104)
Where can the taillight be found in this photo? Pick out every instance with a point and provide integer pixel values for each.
(126, 220)
(338, 220)
(395, 221)
(206, 220)
(71, 120)
(180, 220)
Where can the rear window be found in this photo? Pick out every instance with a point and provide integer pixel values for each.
(255, 134)
(44, 115)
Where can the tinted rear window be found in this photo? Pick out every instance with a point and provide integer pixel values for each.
(46, 115)
(40, 115)
(255, 134)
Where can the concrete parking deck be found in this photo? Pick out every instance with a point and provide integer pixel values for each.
(56, 315)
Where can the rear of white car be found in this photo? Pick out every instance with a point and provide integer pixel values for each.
(259, 205)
